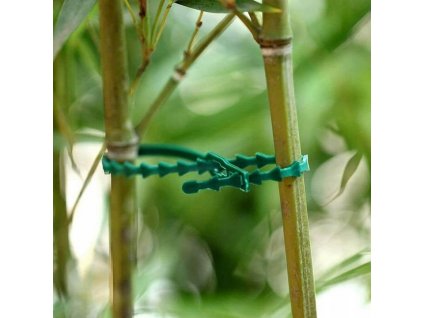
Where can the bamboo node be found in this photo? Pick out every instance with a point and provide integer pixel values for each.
(274, 42)
(178, 75)
(276, 51)
(123, 150)
(274, 48)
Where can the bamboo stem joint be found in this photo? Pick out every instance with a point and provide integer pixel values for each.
(123, 151)
(274, 48)
(179, 74)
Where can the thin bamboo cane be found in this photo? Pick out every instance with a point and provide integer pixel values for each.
(121, 144)
(62, 254)
(60, 230)
(276, 48)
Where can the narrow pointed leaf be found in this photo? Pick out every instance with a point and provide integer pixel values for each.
(216, 6)
(344, 266)
(349, 171)
(348, 275)
(72, 14)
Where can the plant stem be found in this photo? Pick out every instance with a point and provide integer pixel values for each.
(86, 182)
(62, 254)
(142, 26)
(157, 36)
(254, 19)
(156, 20)
(248, 23)
(198, 25)
(167, 90)
(140, 72)
(133, 16)
(149, 43)
(121, 143)
(173, 82)
(218, 30)
(276, 47)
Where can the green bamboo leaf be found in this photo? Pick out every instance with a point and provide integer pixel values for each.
(71, 15)
(348, 275)
(349, 268)
(343, 266)
(216, 6)
(349, 171)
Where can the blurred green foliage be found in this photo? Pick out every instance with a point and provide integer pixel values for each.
(221, 253)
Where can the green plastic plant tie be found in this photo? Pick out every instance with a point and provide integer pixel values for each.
(225, 172)
(256, 177)
(229, 169)
(210, 162)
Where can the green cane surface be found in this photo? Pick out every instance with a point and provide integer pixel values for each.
(279, 77)
(119, 131)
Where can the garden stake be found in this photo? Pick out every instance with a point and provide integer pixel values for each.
(121, 144)
(276, 47)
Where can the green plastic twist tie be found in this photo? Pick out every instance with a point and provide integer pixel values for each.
(224, 172)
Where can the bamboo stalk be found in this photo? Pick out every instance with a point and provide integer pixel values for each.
(61, 244)
(121, 144)
(60, 229)
(62, 254)
(276, 48)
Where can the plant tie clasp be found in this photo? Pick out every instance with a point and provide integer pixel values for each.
(224, 172)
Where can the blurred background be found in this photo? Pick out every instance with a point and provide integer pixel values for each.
(221, 254)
